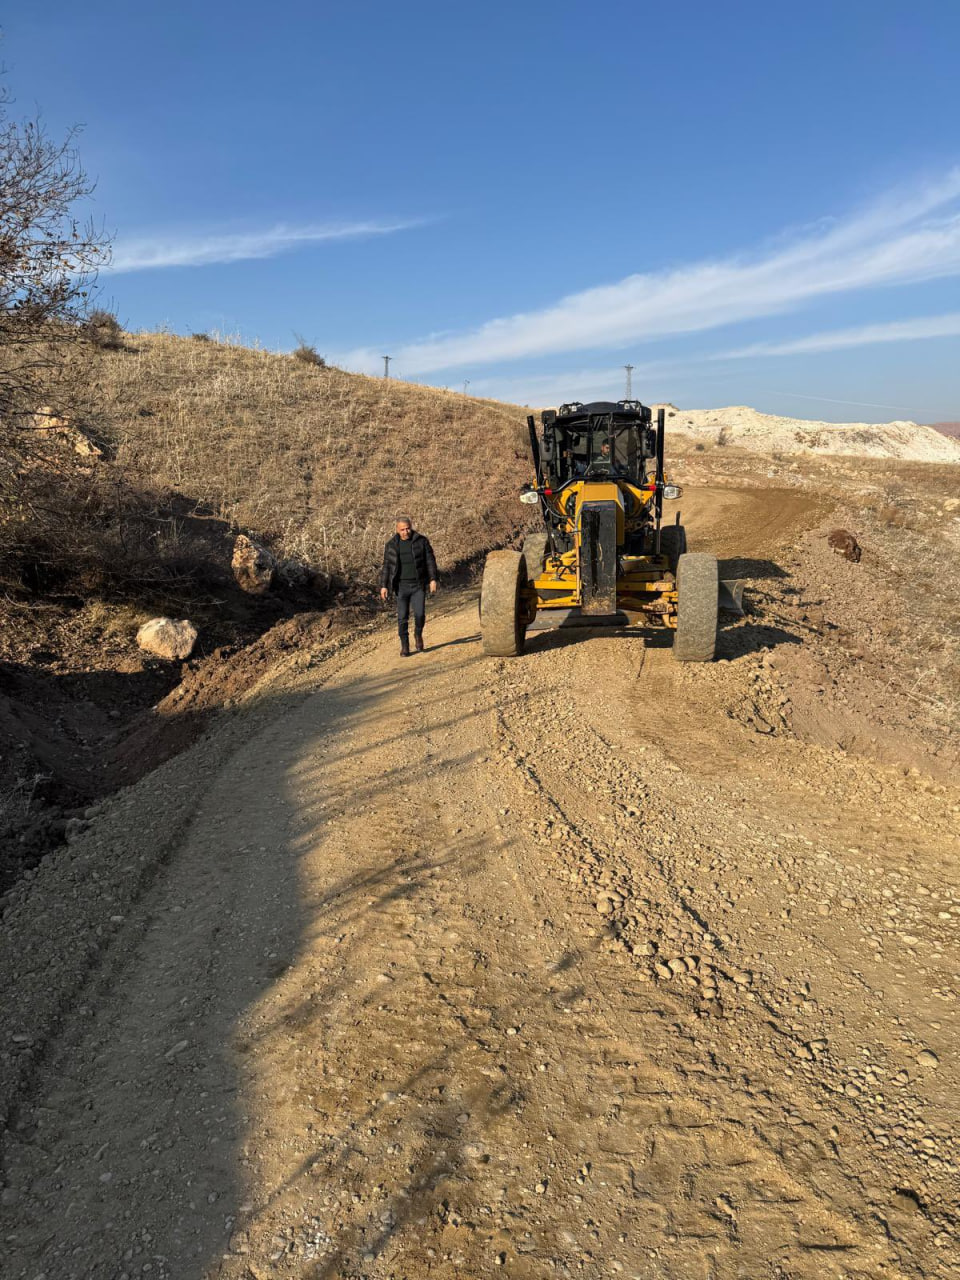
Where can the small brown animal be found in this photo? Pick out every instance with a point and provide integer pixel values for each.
(845, 544)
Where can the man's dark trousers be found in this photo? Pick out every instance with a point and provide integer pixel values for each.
(410, 595)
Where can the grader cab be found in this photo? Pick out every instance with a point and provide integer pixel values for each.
(604, 553)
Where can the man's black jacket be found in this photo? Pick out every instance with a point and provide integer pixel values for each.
(423, 559)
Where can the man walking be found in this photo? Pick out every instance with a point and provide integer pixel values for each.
(409, 569)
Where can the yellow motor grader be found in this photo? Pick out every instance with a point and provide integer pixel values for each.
(604, 554)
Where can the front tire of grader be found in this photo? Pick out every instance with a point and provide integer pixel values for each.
(698, 587)
(502, 622)
(534, 552)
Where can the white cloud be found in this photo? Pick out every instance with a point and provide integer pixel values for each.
(899, 240)
(145, 253)
(946, 326)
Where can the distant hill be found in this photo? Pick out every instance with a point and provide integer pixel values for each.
(768, 433)
(947, 428)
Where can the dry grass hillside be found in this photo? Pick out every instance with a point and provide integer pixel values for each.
(316, 460)
(128, 508)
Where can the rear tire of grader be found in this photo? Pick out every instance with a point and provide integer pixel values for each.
(534, 552)
(502, 622)
(698, 588)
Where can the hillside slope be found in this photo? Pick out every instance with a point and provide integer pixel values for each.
(317, 460)
(170, 447)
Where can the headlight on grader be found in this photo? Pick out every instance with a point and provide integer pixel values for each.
(672, 491)
(529, 496)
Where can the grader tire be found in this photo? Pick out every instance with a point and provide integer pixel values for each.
(502, 626)
(698, 586)
(534, 552)
(673, 544)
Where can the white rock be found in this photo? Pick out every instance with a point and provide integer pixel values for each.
(167, 638)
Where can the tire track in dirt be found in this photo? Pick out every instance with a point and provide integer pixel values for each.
(718, 1174)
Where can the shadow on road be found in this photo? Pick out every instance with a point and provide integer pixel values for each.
(752, 637)
(451, 644)
(187, 1031)
(741, 568)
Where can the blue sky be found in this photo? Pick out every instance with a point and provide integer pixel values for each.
(753, 203)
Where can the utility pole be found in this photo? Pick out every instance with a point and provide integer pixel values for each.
(629, 369)
(386, 366)
(465, 385)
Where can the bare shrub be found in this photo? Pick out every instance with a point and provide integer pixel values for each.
(48, 263)
(118, 539)
(307, 354)
(104, 330)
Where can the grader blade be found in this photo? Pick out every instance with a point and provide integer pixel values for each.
(561, 619)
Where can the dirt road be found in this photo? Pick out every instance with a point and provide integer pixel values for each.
(572, 965)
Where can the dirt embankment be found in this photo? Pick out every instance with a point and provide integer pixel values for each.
(187, 442)
(583, 963)
(84, 712)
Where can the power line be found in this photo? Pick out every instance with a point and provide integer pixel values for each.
(863, 404)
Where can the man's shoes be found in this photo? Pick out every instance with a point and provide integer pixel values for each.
(418, 641)
(404, 647)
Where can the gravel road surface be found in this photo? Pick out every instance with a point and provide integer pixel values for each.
(455, 967)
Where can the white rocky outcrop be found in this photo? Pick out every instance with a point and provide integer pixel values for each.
(767, 433)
